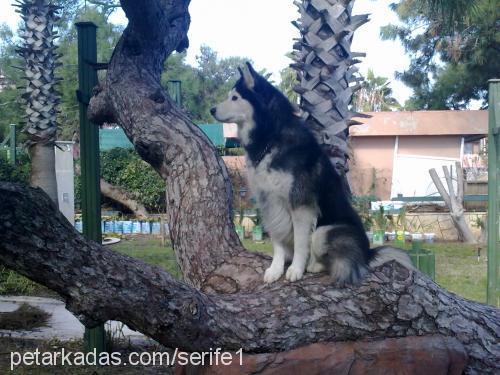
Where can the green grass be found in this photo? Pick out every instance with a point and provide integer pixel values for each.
(150, 251)
(457, 266)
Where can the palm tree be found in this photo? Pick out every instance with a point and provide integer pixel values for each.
(326, 73)
(40, 95)
(375, 95)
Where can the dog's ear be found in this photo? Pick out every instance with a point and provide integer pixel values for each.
(251, 69)
(247, 76)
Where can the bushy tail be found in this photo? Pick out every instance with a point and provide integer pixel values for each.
(386, 254)
(343, 250)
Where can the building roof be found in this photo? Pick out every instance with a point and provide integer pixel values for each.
(215, 132)
(115, 137)
(111, 138)
(422, 123)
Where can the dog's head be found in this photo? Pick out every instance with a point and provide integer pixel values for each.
(253, 100)
(240, 105)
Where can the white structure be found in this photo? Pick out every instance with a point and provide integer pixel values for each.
(65, 176)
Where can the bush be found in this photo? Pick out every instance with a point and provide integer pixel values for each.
(124, 168)
(19, 173)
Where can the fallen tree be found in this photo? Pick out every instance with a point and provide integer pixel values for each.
(119, 195)
(222, 301)
(454, 200)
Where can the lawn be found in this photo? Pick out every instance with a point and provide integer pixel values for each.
(458, 268)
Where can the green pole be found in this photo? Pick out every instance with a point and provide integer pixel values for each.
(13, 144)
(175, 90)
(493, 290)
(94, 338)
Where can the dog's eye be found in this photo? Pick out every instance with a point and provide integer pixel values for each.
(234, 97)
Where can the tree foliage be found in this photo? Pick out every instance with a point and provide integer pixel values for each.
(375, 95)
(124, 168)
(205, 84)
(454, 48)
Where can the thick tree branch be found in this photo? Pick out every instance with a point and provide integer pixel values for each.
(454, 201)
(233, 309)
(119, 195)
(37, 241)
(198, 188)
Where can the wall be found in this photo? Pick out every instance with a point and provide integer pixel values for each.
(441, 224)
(436, 146)
(371, 166)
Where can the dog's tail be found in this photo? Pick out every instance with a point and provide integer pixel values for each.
(344, 251)
(384, 254)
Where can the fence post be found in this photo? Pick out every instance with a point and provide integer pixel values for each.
(94, 338)
(13, 142)
(175, 91)
(493, 292)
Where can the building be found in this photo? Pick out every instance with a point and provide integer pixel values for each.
(392, 152)
(221, 135)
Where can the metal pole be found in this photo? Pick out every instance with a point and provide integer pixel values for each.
(94, 338)
(13, 144)
(493, 289)
(175, 90)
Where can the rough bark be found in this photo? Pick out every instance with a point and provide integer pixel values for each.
(120, 195)
(327, 74)
(38, 51)
(408, 355)
(454, 200)
(223, 302)
(37, 241)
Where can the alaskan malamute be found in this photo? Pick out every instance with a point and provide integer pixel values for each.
(298, 191)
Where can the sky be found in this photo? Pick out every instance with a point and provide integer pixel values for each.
(262, 31)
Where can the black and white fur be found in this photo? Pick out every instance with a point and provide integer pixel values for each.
(298, 191)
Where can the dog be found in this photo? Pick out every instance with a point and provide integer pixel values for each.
(304, 207)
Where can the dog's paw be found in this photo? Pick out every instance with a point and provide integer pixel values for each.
(293, 273)
(315, 267)
(272, 274)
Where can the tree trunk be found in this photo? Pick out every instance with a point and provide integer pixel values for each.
(40, 95)
(454, 201)
(223, 302)
(37, 241)
(326, 73)
(43, 168)
(120, 195)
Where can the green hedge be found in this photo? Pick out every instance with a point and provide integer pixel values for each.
(124, 168)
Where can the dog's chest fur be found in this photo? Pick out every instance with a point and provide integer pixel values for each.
(269, 181)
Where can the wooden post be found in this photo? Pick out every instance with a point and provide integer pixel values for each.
(493, 289)
(89, 156)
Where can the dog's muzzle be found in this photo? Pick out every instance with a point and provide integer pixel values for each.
(213, 111)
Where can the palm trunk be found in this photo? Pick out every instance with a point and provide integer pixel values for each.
(326, 73)
(43, 168)
(41, 97)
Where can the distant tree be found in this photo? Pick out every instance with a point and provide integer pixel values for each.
(288, 81)
(204, 85)
(375, 95)
(454, 48)
(107, 37)
(10, 107)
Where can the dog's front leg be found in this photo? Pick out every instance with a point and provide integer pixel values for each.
(304, 219)
(277, 267)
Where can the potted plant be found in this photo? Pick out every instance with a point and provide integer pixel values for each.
(401, 227)
(380, 221)
(257, 228)
(240, 230)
